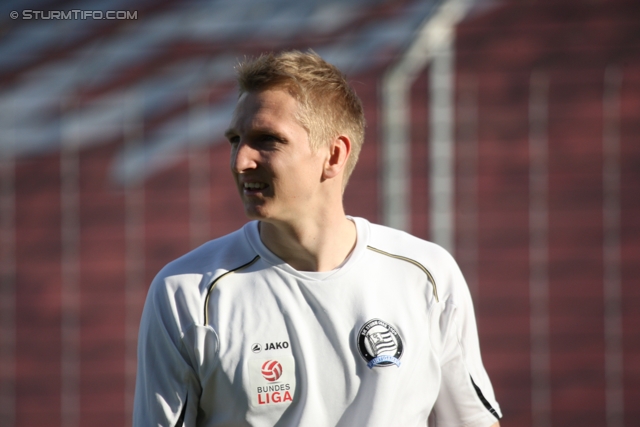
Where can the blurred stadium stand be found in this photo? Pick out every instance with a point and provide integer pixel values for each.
(112, 163)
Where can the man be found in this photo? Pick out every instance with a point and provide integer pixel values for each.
(305, 316)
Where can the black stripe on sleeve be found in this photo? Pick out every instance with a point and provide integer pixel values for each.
(484, 400)
(180, 421)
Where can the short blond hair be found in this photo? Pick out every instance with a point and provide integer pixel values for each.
(329, 106)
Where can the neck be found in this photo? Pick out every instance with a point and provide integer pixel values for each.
(311, 244)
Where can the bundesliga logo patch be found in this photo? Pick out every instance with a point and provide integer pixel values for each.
(271, 370)
(380, 344)
(273, 381)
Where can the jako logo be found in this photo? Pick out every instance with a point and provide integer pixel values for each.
(276, 345)
(271, 370)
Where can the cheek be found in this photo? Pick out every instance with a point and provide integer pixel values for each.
(307, 175)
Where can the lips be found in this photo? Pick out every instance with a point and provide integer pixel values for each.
(254, 187)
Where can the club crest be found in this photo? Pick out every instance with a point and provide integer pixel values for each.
(380, 344)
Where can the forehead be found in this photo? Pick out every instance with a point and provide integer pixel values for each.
(264, 107)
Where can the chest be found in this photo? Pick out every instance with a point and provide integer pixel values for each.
(350, 341)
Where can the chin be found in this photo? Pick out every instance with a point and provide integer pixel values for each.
(253, 212)
(264, 215)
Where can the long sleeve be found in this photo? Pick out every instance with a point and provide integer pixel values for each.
(466, 396)
(167, 387)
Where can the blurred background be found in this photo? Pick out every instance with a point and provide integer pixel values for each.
(506, 131)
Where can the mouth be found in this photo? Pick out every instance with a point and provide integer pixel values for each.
(251, 188)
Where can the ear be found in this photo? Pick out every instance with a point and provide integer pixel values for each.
(339, 151)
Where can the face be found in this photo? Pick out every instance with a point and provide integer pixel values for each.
(276, 172)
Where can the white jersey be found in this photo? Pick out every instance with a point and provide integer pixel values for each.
(231, 335)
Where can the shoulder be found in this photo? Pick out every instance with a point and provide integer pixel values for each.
(437, 261)
(183, 283)
(404, 244)
(221, 253)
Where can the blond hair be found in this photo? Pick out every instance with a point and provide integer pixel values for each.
(329, 106)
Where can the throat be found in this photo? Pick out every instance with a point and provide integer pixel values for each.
(324, 250)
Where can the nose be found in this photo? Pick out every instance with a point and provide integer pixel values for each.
(243, 157)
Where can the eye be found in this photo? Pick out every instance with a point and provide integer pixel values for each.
(269, 139)
(233, 139)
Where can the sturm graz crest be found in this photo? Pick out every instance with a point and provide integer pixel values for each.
(380, 344)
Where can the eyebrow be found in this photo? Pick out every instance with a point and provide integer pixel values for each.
(266, 130)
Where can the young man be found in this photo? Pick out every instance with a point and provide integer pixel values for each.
(305, 316)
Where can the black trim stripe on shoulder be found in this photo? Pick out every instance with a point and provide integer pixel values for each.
(414, 262)
(484, 401)
(213, 285)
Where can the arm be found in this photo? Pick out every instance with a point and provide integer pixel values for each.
(466, 395)
(167, 387)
